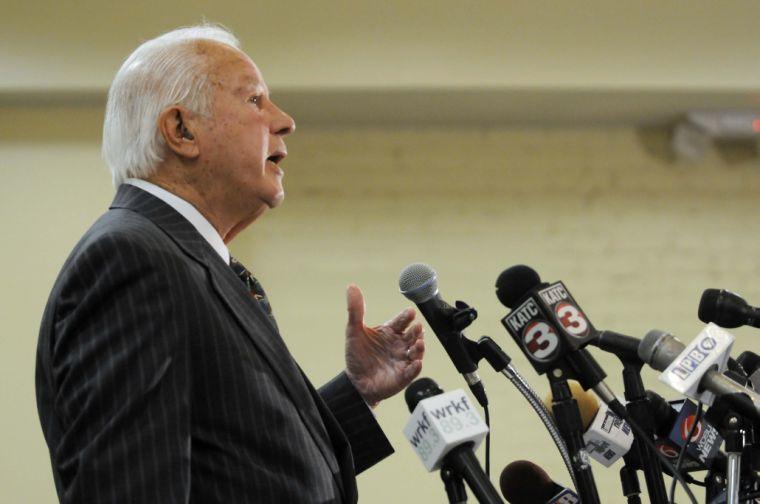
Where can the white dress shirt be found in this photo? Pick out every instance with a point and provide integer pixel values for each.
(189, 212)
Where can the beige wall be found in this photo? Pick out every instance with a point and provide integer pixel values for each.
(635, 237)
(585, 44)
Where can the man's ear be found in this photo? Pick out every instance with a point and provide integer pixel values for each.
(175, 124)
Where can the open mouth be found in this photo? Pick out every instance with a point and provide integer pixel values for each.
(276, 158)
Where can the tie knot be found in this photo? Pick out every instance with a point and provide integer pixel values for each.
(238, 267)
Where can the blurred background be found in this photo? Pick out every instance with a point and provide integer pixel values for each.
(603, 143)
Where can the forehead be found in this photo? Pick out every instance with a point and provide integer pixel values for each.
(231, 69)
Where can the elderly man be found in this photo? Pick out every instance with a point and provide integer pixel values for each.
(161, 374)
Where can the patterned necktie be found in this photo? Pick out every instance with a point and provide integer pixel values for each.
(253, 286)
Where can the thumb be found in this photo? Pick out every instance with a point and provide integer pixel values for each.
(355, 301)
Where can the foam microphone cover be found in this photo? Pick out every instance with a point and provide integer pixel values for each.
(523, 482)
(420, 389)
(708, 305)
(514, 282)
(723, 308)
(588, 404)
(749, 361)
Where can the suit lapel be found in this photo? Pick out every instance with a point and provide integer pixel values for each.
(234, 293)
(241, 304)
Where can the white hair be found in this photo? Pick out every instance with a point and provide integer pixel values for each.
(167, 70)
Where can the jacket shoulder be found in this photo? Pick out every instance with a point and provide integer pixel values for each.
(119, 248)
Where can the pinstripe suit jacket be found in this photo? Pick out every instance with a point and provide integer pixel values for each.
(161, 380)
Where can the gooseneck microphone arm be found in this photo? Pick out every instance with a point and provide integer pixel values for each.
(489, 350)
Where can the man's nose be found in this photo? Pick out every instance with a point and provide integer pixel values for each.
(282, 124)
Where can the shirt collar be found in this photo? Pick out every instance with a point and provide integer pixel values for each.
(189, 212)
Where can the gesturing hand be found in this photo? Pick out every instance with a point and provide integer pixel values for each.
(381, 361)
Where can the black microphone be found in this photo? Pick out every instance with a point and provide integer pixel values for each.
(727, 309)
(625, 347)
(523, 482)
(514, 282)
(551, 329)
(419, 283)
(420, 389)
(459, 457)
(750, 364)
(749, 361)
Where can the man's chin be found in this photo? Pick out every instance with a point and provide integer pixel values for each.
(277, 200)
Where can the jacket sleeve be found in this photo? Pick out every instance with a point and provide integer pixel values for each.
(369, 445)
(120, 379)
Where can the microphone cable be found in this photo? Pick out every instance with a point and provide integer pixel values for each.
(620, 411)
(488, 442)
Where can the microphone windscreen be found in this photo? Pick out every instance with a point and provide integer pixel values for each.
(649, 344)
(708, 305)
(724, 308)
(588, 404)
(418, 282)
(514, 282)
(749, 361)
(523, 482)
(420, 389)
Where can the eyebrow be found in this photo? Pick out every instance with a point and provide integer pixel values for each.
(250, 85)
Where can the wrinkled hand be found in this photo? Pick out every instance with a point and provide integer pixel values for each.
(381, 361)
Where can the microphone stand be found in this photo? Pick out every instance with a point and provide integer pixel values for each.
(639, 457)
(454, 470)
(734, 447)
(570, 425)
(630, 482)
(454, 473)
(739, 435)
(454, 485)
(731, 427)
